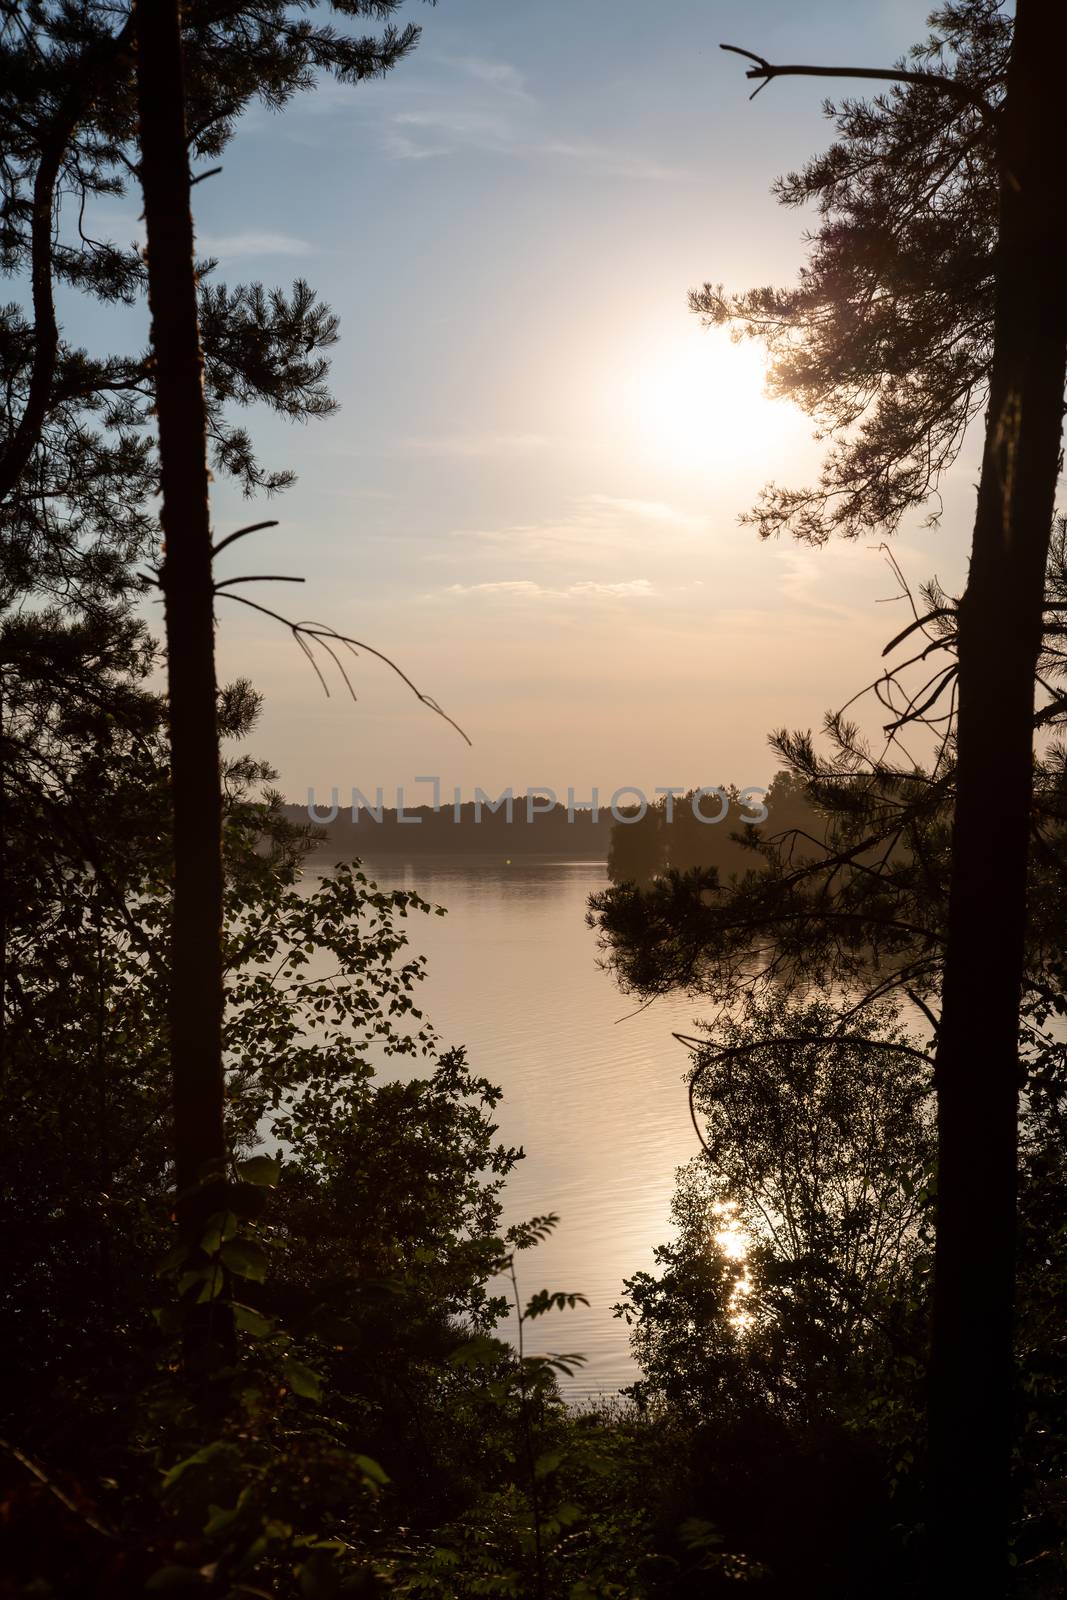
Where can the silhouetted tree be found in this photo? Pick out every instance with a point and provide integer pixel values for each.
(78, 467)
(77, 463)
(933, 290)
(200, 1152)
(784, 1322)
(1000, 639)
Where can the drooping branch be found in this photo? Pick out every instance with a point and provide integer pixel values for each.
(324, 636)
(712, 1055)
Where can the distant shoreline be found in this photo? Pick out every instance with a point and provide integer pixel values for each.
(425, 832)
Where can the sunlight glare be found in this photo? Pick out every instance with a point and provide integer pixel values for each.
(731, 1237)
(698, 402)
(733, 1241)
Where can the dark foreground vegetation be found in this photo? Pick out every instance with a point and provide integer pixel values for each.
(254, 1273)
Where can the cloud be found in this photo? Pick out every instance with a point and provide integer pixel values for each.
(237, 246)
(460, 103)
(474, 103)
(463, 124)
(497, 74)
(448, 128)
(646, 510)
(593, 527)
(633, 589)
(607, 161)
(401, 148)
(823, 580)
(526, 589)
(518, 589)
(108, 222)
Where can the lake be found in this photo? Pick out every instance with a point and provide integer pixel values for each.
(598, 1103)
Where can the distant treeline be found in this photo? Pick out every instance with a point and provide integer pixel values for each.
(636, 849)
(649, 845)
(475, 831)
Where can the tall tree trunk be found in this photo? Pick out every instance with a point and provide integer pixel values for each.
(971, 1391)
(196, 954)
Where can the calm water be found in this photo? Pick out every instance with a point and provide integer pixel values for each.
(598, 1104)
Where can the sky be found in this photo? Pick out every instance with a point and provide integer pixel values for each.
(529, 495)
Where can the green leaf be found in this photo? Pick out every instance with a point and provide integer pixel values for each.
(567, 1362)
(189, 1280)
(302, 1380)
(219, 1450)
(248, 1321)
(169, 1579)
(219, 1519)
(480, 1351)
(172, 1261)
(246, 1258)
(262, 1170)
(318, 1577)
(547, 1463)
(371, 1471)
(544, 1301)
(213, 1282)
(220, 1227)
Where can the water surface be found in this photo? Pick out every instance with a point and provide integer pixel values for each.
(597, 1103)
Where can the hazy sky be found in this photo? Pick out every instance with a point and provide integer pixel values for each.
(529, 495)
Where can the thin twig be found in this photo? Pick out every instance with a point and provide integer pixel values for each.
(303, 631)
(54, 1489)
(261, 577)
(253, 527)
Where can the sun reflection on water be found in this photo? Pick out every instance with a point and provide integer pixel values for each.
(733, 1241)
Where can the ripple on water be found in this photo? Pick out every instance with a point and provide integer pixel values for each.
(597, 1103)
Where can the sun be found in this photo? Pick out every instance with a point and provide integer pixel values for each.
(697, 402)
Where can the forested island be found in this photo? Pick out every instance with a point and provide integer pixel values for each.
(266, 1333)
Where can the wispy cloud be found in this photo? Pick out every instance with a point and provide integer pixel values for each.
(499, 75)
(526, 589)
(451, 124)
(114, 223)
(632, 589)
(239, 246)
(474, 103)
(606, 160)
(812, 581)
(593, 526)
(645, 510)
(403, 148)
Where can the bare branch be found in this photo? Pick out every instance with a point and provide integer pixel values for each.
(253, 527)
(260, 577)
(961, 92)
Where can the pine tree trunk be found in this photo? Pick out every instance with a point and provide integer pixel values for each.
(196, 955)
(971, 1400)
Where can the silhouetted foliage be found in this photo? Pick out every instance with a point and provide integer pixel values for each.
(932, 293)
(887, 339)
